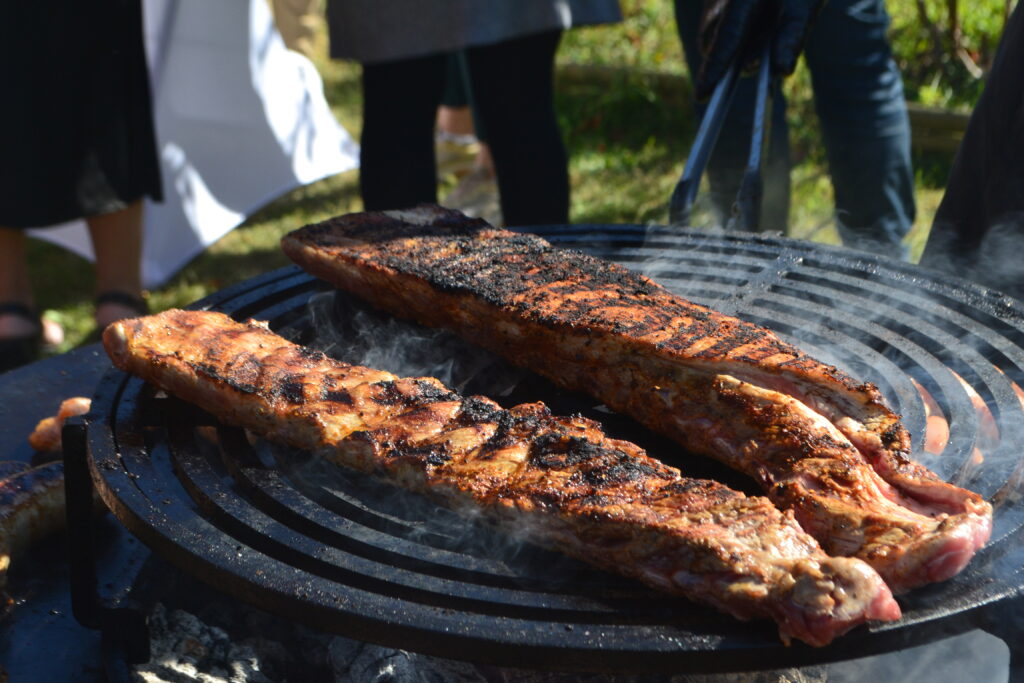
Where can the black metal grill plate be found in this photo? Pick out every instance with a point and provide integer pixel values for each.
(350, 555)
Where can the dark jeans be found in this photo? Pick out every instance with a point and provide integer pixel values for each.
(513, 94)
(858, 95)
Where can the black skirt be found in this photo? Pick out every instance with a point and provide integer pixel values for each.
(76, 121)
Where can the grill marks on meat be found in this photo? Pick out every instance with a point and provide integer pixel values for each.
(819, 443)
(559, 480)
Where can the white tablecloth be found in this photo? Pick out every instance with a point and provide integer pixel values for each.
(240, 120)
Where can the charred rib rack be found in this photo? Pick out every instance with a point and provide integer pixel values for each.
(558, 480)
(819, 443)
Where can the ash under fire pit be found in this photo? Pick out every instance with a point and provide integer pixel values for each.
(344, 554)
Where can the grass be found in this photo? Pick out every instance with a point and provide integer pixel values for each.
(627, 144)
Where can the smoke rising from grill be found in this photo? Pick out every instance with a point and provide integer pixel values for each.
(353, 333)
(890, 326)
(348, 330)
(423, 531)
(881, 322)
(921, 349)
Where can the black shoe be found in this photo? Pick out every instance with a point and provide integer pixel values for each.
(23, 349)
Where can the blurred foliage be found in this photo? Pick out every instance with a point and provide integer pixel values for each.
(942, 57)
(931, 55)
(646, 39)
(940, 67)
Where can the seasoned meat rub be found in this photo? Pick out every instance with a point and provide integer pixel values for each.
(559, 479)
(819, 443)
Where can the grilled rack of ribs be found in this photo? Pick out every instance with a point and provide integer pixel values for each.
(819, 443)
(559, 480)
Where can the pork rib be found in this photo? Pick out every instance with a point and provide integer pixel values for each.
(561, 479)
(818, 442)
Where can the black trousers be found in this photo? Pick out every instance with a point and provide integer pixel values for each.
(512, 85)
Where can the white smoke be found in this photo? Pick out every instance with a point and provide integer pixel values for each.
(353, 333)
(696, 265)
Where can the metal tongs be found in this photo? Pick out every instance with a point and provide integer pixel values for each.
(746, 211)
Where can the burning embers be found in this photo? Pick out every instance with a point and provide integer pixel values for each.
(937, 430)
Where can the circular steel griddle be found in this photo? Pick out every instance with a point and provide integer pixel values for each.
(347, 554)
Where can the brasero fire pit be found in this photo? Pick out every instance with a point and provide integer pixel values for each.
(352, 556)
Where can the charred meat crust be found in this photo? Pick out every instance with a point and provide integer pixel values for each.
(543, 284)
(559, 480)
(720, 386)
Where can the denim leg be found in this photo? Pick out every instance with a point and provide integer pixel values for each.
(858, 94)
(725, 168)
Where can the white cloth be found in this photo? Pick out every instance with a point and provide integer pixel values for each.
(240, 120)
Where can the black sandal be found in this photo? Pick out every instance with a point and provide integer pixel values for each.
(134, 302)
(21, 350)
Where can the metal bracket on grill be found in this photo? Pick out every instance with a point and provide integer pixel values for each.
(1004, 621)
(125, 634)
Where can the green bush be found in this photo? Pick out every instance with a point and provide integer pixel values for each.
(941, 66)
(936, 68)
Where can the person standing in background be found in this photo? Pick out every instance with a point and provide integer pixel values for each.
(858, 95)
(978, 230)
(459, 131)
(76, 140)
(510, 47)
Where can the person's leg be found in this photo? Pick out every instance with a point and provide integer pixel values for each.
(15, 288)
(462, 66)
(14, 283)
(400, 100)
(297, 23)
(725, 168)
(512, 86)
(455, 115)
(455, 122)
(117, 243)
(858, 94)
